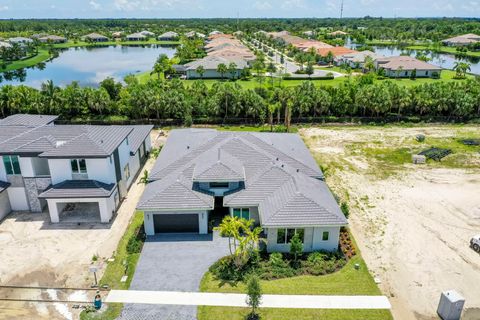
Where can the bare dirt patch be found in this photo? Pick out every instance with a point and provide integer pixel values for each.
(413, 223)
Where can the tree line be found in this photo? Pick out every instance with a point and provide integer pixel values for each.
(159, 99)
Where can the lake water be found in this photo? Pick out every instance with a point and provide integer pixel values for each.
(90, 65)
(446, 61)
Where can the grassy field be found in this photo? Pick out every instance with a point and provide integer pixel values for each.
(447, 76)
(115, 270)
(42, 56)
(347, 281)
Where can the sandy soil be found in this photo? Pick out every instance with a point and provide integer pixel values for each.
(35, 252)
(413, 223)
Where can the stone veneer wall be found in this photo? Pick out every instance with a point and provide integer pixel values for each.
(33, 187)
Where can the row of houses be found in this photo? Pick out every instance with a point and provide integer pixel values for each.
(302, 44)
(76, 172)
(221, 49)
(462, 40)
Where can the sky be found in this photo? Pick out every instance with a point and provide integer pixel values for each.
(230, 8)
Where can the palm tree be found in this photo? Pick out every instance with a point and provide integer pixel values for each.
(271, 70)
(369, 64)
(232, 69)
(461, 69)
(222, 69)
(230, 227)
(201, 71)
(398, 72)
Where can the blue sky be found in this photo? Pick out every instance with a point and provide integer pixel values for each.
(229, 8)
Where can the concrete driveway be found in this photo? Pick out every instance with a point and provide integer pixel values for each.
(173, 262)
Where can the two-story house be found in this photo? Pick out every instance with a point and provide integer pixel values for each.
(80, 172)
(268, 177)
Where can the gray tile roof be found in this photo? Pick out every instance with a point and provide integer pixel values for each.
(30, 120)
(212, 63)
(280, 176)
(3, 186)
(138, 135)
(78, 189)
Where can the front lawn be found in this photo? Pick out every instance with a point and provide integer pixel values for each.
(347, 281)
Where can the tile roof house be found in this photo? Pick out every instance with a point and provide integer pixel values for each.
(356, 59)
(20, 40)
(95, 37)
(403, 66)
(136, 37)
(203, 174)
(74, 170)
(336, 51)
(52, 39)
(463, 40)
(210, 65)
(168, 36)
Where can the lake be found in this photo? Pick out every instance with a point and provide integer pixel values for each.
(90, 65)
(446, 61)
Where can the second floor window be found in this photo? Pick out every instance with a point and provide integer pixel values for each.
(12, 165)
(78, 166)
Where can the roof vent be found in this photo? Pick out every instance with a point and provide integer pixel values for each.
(282, 165)
(298, 170)
(277, 158)
(188, 147)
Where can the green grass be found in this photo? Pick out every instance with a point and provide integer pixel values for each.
(42, 56)
(115, 270)
(347, 281)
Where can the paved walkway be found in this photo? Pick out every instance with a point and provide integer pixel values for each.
(239, 300)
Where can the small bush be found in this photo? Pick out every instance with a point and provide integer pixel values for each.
(345, 209)
(420, 138)
(135, 243)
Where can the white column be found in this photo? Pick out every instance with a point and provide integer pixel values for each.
(105, 215)
(53, 210)
(148, 224)
(203, 223)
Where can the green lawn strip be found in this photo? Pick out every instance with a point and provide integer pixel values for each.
(115, 270)
(73, 44)
(42, 56)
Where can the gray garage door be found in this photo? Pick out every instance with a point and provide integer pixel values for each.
(170, 223)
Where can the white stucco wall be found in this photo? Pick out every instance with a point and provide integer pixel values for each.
(60, 170)
(106, 205)
(26, 167)
(18, 199)
(100, 169)
(4, 205)
(312, 240)
(134, 164)
(150, 228)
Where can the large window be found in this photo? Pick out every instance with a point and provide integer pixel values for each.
(219, 185)
(79, 166)
(242, 213)
(285, 235)
(12, 166)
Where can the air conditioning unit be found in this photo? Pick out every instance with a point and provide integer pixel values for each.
(451, 305)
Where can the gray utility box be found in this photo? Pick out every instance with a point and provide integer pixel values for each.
(451, 305)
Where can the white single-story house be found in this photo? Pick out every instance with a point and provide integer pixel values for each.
(147, 33)
(463, 40)
(210, 65)
(404, 66)
(79, 172)
(201, 175)
(52, 39)
(168, 36)
(356, 59)
(20, 40)
(135, 37)
(96, 37)
(194, 34)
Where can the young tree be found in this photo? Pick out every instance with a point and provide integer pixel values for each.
(271, 70)
(254, 296)
(309, 69)
(232, 69)
(201, 71)
(461, 69)
(222, 69)
(296, 247)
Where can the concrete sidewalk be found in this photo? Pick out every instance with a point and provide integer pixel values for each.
(239, 300)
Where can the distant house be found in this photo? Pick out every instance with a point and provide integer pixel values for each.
(356, 59)
(168, 36)
(336, 51)
(403, 66)
(95, 37)
(463, 40)
(194, 34)
(337, 33)
(309, 33)
(4, 44)
(117, 34)
(210, 65)
(214, 32)
(136, 37)
(147, 33)
(52, 39)
(20, 40)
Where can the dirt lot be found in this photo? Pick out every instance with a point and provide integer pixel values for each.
(413, 223)
(35, 252)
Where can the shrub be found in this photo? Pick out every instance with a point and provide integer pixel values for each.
(345, 209)
(135, 243)
(420, 137)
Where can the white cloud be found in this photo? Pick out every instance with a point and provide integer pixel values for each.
(126, 5)
(130, 5)
(94, 5)
(471, 6)
(262, 5)
(3, 8)
(293, 4)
